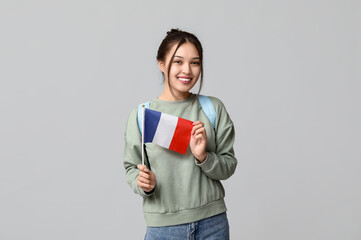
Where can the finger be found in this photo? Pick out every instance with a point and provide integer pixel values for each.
(143, 180)
(146, 187)
(142, 168)
(199, 137)
(144, 175)
(198, 122)
(149, 185)
(196, 127)
(200, 131)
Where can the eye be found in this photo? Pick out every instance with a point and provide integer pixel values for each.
(196, 63)
(177, 61)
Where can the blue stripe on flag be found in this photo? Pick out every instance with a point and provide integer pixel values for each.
(151, 120)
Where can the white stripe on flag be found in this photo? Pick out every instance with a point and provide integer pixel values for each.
(165, 130)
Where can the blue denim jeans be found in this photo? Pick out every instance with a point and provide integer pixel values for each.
(212, 228)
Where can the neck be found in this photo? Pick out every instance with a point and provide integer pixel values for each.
(168, 96)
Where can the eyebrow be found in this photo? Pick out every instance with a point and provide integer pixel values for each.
(183, 57)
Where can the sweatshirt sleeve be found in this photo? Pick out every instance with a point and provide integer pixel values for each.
(133, 153)
(221, 164)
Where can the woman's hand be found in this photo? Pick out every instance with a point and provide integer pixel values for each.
(146, 179)
(198, 141)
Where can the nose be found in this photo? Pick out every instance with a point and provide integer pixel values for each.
(186, 69)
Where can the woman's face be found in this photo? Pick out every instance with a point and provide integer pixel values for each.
(185, 69)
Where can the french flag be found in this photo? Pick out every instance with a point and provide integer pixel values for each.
(166, 130)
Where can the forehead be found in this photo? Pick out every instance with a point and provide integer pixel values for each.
(185, 50)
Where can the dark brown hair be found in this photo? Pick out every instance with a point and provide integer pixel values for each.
(179, 37)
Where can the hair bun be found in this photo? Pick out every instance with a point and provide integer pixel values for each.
(173, 30)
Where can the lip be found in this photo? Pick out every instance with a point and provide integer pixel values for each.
(180, 78)
(183, 77)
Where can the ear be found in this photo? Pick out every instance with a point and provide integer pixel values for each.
(161, 66)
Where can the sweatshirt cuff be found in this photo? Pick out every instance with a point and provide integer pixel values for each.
(198, 163)
(151, 192)
(208, 163)
(144, 193)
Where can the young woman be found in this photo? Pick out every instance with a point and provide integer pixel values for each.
(182, 193)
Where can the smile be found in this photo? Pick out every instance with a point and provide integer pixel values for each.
(184, 80)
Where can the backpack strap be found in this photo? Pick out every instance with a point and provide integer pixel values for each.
(140, 114)
(208, 109)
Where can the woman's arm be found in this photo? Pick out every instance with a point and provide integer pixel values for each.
(221, 164)
(133, 158)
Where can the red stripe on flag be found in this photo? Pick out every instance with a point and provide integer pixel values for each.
(182, 136)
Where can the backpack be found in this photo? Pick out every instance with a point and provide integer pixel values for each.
(206, 105)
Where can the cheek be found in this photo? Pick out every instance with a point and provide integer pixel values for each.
(197, 71)
(174, 70)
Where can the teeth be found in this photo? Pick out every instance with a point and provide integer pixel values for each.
(184, 79)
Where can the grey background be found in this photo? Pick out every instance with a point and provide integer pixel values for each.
(288, 72)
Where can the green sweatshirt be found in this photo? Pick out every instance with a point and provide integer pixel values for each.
(186, 191)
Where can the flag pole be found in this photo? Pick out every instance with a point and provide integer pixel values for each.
(143, 113)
